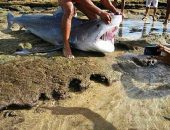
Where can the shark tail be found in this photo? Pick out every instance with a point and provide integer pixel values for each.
(10, 19)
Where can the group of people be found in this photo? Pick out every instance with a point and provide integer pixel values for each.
(93, 12)
(154, 4)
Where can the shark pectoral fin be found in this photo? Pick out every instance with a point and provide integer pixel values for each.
(27, 31)
(21, 27)
(10, 20)
(23, 52)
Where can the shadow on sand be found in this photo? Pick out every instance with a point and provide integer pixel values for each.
(99, 122)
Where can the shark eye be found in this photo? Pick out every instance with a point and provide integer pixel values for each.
(98, 25)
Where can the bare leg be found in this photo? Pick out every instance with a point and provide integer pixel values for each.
(122, 6)
(167, 12)
(154, 14)
(146, 13)
(68, 8)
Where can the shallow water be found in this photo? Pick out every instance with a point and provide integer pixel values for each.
(134, 29)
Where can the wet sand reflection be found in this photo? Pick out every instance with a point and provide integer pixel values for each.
(134, 29)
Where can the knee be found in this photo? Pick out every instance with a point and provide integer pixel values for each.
(69, 12)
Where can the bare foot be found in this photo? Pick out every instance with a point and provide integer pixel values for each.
(124, 16)
(68, 54)
(165, 22)
(144, 18)
(154, 18)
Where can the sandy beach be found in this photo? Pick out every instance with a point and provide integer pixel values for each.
(123, 90)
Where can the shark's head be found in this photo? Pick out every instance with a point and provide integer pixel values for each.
(95, 35)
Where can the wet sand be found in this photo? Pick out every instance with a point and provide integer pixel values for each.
(137, 100)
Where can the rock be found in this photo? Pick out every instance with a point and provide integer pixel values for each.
(24, 46)
(9, 114)
(23, 83)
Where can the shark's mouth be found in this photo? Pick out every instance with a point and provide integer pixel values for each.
(109, 35)
(105, 41)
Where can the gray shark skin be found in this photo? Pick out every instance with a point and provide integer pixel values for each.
(86, 35)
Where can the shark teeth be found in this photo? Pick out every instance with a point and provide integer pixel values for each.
(109, 35)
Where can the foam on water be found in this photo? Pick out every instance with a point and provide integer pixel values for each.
(134, 29)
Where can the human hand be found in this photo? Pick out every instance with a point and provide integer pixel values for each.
(118, 12)
(165, 54)
(106, 17)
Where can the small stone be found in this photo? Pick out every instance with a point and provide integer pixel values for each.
(9, 114)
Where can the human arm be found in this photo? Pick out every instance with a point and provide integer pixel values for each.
(165, 54)
(107, 4)
(89, 5)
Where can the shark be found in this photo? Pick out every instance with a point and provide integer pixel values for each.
(86, 35)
